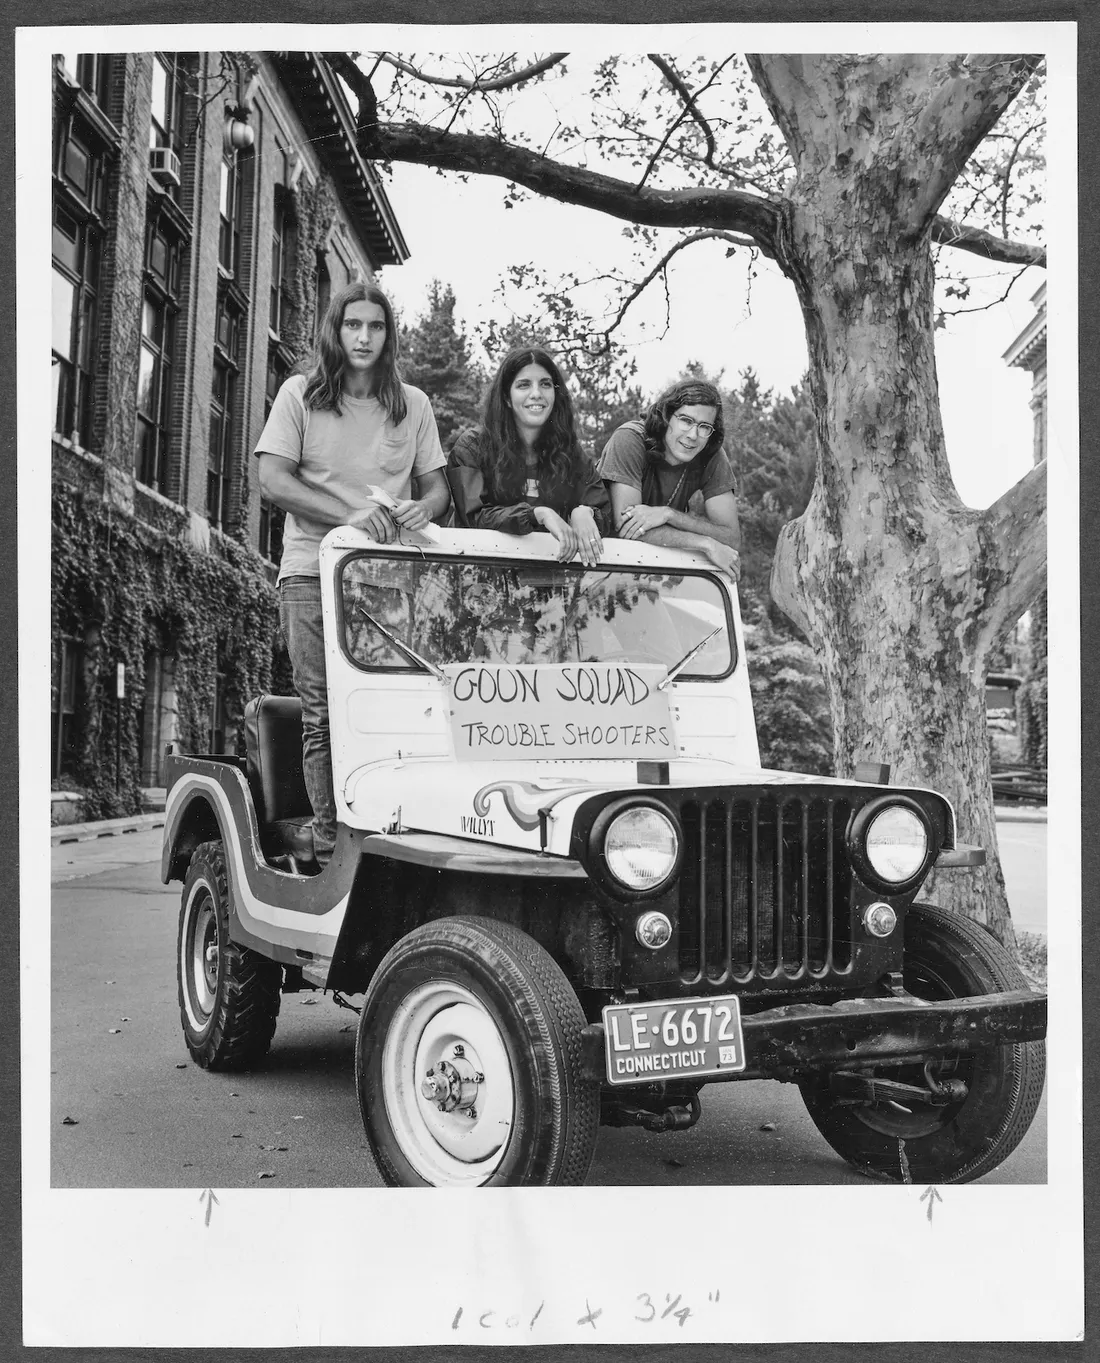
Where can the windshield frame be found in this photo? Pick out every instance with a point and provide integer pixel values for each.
(426, 556)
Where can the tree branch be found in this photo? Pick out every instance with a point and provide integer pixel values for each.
(981, 243)
(729, 209)
(1014, 531)
(666, 70)
(660, 268)
(479, 83)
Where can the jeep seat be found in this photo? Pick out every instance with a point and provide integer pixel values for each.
(273, 752)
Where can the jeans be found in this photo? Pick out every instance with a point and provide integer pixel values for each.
(300, 620)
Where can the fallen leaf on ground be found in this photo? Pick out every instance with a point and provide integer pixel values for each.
(69, 1121)
(675, 1163)
(235, 1136)
(297, 1119)
(347, 1028)
(305, 1002)
(267, 1173)
(768, 1126)
(124, 1019)
(182, 1065)
(114, 1031)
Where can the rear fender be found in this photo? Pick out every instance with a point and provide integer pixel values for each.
(291, 918)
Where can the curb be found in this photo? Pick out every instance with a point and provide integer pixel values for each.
(1018, 814)
(105, 828)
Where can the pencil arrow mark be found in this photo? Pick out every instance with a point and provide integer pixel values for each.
(932, 1194)
(208, 1196)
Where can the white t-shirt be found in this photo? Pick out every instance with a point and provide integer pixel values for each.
(345, 455)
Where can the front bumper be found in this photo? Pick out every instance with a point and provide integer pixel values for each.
(798, 1039)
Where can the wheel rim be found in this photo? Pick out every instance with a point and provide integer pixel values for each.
(199, 951)
(447, 1085)
(926, 982)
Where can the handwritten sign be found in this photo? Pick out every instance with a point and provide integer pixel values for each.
(609, 710)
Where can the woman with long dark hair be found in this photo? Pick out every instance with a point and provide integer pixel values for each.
(669, 479)
(346, 443)
(523, 468)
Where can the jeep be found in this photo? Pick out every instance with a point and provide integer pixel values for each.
(570, 894)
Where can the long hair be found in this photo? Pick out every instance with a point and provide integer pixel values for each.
(655, 422)
(500, 446)
(325, 375)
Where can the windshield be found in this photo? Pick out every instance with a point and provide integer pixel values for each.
(459, 611)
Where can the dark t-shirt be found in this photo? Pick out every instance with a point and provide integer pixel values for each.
(478, 510)
(624, 460)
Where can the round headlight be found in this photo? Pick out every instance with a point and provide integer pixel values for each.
(896, 843)
(640, 847)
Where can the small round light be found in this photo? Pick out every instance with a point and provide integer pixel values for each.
(880, 920)
(896, 843)
(653, 930)
(640, 847)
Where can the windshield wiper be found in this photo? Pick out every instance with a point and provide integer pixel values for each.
(672, 671)
(404, 648)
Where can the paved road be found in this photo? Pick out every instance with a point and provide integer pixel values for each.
(146, 1117)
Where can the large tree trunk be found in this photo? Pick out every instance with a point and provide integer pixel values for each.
(901, 588)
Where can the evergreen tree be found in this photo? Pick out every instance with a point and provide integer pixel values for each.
(435, 357)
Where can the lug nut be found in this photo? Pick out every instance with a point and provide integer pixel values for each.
(460, 1050)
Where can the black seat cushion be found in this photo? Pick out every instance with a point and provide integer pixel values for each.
(273, 748)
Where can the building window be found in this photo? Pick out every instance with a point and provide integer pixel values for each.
(68, 660)
(322, 292)
(91, 71)
(217, 728)
(166, 118)
(231, 207)
(272, 518)
(283, 252)
(223, 394)
(158, 323)
(76, 255)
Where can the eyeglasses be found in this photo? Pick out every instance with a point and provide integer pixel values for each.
(689, 424)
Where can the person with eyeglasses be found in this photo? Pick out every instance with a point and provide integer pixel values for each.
(671, 482)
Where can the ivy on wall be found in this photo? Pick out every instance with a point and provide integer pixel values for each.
(315, 210)
(131, 591)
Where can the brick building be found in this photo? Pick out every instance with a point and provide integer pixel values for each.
(205, 207)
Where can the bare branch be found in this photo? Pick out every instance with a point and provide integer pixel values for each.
(1008, 175)
(981, 243)
(668, 71)
(688, 110)
(981, 307)
(723, 209)
(661, 268)
(479, 83)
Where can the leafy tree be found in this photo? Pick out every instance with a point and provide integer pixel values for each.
(435, 357)
(840, 168)
(788, 696)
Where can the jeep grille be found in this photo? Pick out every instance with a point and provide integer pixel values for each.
(765, 892)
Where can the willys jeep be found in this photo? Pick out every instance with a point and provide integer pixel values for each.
(569, 892)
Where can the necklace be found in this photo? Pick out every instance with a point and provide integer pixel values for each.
(676, 489)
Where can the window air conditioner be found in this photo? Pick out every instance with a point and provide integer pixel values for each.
(165, 165)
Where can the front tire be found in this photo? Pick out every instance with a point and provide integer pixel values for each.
(468, 1062)
(946, 956)
(228, 995)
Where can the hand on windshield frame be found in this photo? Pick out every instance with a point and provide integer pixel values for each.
(565, 535)
(589, 541)
(638, 520)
